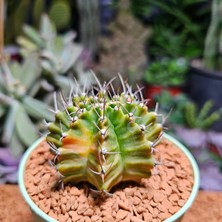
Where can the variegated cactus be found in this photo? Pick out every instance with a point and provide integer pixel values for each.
(104, 139)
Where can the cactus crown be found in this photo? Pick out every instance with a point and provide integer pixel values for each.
(104, 139)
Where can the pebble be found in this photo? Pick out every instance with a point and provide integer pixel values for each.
(81, 209)
(136, 200)
(124, 205)
(173, 210)
(95, 218)
(121, 214)
(155, 200)
(47, 205)
(147, 217)
(108, 218)
(181, 203)
(173, 198)
(88, 212)
(75, 191)
(158, 197)
(74, 215)
(135, 219)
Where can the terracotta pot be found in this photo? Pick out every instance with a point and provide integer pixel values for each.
(40, 216)
(152, 90)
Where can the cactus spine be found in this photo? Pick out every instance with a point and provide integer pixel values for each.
(104, 139)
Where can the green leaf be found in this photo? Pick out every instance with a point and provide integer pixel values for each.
(34, 89)
(64, 83)
(56, 47)
(47, 28)
(24, 127)
(10, 123)
(15, 68)
(15, 145)
(27, 44)
(31, 70)
(33, 35)
(47, 65)
(69, 56)
(37, 109)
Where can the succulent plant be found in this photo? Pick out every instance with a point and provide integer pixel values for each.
(19, 110)
(104, 139)
(201, 119)
(60, 12)
(58, 53)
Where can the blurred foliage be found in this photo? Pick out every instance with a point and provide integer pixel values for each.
(30, 11)
(50, 62)
(166, 72)
(178, 27)
(19, 109)
(58, 53)
(203, 118)
(184, 112)
(175, 105)
(212, 56)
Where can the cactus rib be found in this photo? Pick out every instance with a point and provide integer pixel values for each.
(104, 140)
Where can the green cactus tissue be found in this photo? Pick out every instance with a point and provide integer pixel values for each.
(104, 137)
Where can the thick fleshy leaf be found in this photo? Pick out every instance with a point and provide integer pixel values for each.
(27, 44)
(69, 56)
(47, 29)
(10, 123)
(56, 46)
(69, 37)
(15, 146)
(48, 66)
(16, 69)
(31, 70)
(24, 127)
(64, 84)
(34, 89)
(37, 109)
(33, 35)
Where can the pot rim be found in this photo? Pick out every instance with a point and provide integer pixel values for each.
(207, 73)
(174, 217)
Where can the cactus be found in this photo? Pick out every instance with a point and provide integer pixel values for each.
(60, 14)
(212, 51)
(104, 139)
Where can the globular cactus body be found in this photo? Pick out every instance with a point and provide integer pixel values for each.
(104, 140)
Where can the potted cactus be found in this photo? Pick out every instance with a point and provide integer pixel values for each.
(98, 144)
(204, 78)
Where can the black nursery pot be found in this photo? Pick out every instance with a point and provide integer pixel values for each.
(203, 85)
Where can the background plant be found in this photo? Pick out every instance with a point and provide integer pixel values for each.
(173, 107)
(59, 11)
(178, 27)
(58, 54)
(203, 118)
(19, 110)
(212, 51)
(166, 72)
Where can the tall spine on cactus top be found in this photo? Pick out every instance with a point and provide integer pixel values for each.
(104, 139)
